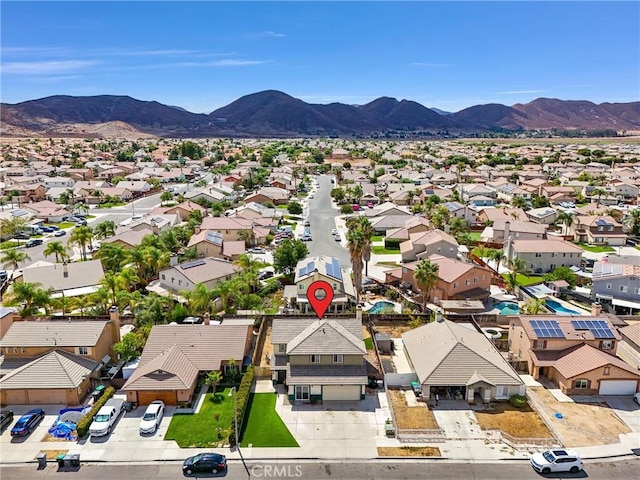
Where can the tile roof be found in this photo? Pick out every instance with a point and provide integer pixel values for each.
(326, 336)
(545, 246)
(585, 358)
(564, 322)
(54, 333)
(632, 332)
(53, 370)
(172, 369)
(448, 353)
(65, 276)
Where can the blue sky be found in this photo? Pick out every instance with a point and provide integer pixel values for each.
(203, 55)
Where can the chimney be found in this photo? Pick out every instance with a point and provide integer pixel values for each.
(439, 317)
(65, 270)
(509, 249)
(207, 319)
(359, 313)
(114, 316)
(173, 260)
(447, 228)
(596, 309)
(507, 229)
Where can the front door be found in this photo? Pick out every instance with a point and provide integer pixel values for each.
(302, 392)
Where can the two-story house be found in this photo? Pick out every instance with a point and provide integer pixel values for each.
(424, 244)
(319, 360)
(211, 244)
(54, 362)
(207, 271)
(617, 285)
(576, 353)
(542, 256)
(502, 229)
(324, 268)
(597, 230)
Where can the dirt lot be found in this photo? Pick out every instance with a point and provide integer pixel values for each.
(267, 348)
(409, 452)
(517, 422)
(373, 366)
(582, 424)
(392, 331)
(411, 417)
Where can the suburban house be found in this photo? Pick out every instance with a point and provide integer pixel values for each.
(66, 279)
(208, 271)
(424, 244)
(542, 256)
(412, 225)
(457, 280)
(597, 230)
(324, 268)
(209, 243)
(230, 228)
(545, 215)
(488, 216)
(576, 353)
(184, 209)
(617, 285)
(319, 360)
(47, 211)
(455, 360)
(278, 196)
(175, 355)
(502, 229)
(54, 362)
(629, 345)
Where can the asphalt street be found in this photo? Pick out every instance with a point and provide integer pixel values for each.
(322, 218)
(620, 469)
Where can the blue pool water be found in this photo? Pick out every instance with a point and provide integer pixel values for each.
(380, 306)
(507, 308)
(557, 307)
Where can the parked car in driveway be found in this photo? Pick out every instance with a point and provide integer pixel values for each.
(152, 417)
(27, 423)
(556, 460)
(264, 275)
(205, 462)
(257, 250)
(6, 417)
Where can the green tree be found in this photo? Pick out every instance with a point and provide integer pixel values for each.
(356, 243)
(295, 208)
(198, 299)
(57, 249)
(518, 201)
(81, 236)
(562, 273)
(30, 296)
(533, 306)
(247, 236)
(288, 254)
(129, 347)
(165, 197)
(632, 222)
(105, 229)
(213, 379)
(13, 257)
(426, 278)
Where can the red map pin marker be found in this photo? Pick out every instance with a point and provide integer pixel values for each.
(320, 305)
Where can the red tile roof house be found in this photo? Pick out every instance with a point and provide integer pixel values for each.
(574, 353)
(175, 355)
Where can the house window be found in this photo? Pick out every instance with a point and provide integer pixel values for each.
(455, 284)
(582, 384)
(600, 229)
(607, 371)
(483, 277)
(439, 249)
(467, 282)
(475, 279)
(611, 228)
(301, 287)
(598, 239)
(282, 347)
(15, 350)
(606, 344)
(83, 351)
(553, 255)
(302, 392)
(179, 282)
(539, 344)
(314, 358)
(564, 254)
(503, 390)
(163, 277)
(338, 359)
(538, 254)
(636, 291)
(624, 288)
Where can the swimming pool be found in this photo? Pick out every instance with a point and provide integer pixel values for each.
(507, 308)
(381, 306)
(557, 307)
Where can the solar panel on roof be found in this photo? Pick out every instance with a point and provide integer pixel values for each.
(547, 329)
(195, 263)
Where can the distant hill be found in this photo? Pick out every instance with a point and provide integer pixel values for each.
(274, 113)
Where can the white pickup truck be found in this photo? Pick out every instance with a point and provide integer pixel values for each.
(106, 417)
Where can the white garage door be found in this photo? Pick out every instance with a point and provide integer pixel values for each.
(617, 387)
(341, 392)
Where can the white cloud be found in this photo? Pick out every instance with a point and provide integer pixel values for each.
(46, 67)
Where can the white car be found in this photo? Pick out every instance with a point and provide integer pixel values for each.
(636, 398)
(334, 231)
(560, 460)
(152, 417)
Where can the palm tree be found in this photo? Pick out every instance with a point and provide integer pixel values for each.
(13, 257)
(112, 256)
(248, 236)
(518, 201)
(63, 304)
(198, 299)
(497, 256)
(565, 219)
(129, 278)
(533, 307)
(105, 229)
(30, 296)
(156, 260)
(213, 378)
(84, 302)
(356, 243)
(426, 278)
(517, 266)
(226, 292)
(58, 249)
(250, 267)
(632, 222)
(114, 283)
(598, 192)
(82, 237)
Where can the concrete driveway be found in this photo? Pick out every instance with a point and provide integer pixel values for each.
(626, 409)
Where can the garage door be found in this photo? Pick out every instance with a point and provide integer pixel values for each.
(618, 387)
(168, 397)
(341, 392)
(16, 397)
(43, 397)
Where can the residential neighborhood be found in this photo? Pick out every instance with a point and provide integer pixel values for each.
(484, 304)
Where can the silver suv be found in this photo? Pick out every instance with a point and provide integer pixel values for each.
(556, 461)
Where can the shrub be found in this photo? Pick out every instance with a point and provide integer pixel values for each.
(518, 401)
(85, 422)
(243, 393)
(392, 243)
(346, 209)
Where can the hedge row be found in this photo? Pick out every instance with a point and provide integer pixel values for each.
(85, 422)
(392, 243)
(243, 393)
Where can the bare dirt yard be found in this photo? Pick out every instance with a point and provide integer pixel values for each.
(581, 424)
(419, 416)
(517, 422)
(409, 452)
(267, 349)
(394, 331)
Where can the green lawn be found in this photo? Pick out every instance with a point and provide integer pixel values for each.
(596, 248)
(368, 343)
(263, 426)
(526, 280)
(62, 225)
(475, 236)
(378, 250)
(9, 244)
(377, 238)
(201, 429)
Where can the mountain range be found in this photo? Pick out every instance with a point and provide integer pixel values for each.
(274, 113)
